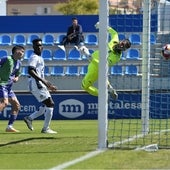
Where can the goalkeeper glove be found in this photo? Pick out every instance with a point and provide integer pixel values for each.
(96, 25)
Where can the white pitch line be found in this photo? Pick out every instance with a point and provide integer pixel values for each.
(126, 140)
(135, 137)
(94, 153)
(87, 156)
(91, 154)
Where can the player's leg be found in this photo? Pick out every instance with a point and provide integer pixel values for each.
(43, 96)
(3, 98)
(28, 119)
(15, 107)
(89, 80)
(3, 103)
(49, 108)
(37, 94)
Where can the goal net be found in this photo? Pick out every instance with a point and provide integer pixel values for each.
(141, 115)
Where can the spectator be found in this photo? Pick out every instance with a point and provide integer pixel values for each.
(115, 48)
(40, 87)
(74, 34)
(9, 74)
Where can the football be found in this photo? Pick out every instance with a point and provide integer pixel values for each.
(166, 51)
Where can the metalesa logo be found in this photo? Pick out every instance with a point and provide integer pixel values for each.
(71, 108)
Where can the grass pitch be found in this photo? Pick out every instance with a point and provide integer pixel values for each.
(34, 150)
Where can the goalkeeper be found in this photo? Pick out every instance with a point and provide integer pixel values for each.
(115, 48)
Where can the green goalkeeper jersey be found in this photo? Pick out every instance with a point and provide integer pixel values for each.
(113, 57)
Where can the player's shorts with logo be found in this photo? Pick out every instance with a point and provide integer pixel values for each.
(39, 90)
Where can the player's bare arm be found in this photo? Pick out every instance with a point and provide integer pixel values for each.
(33, 73)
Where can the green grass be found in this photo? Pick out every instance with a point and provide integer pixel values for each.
(33, 150)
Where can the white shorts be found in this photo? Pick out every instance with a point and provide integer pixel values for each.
(40, 94)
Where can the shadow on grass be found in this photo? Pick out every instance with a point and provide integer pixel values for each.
(24, 140)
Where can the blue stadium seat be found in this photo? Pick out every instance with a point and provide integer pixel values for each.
(48, 39)
(72, 71)
(24, 71)
(91, 51)
(47, 71)
(135, 39)
(5, 40)
(3, 53)
(19, 39)
(91, 39)
(116, 70)
(74, 54)
(152, 39)
(133, 53)
(47, 54)
(123, 56)
(32, 37)
(121, 36)
(57, 71)
(131, 70)
(60, 38)
(59, 54)
(83, 70)
(28, 54)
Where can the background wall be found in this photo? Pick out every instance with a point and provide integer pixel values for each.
(57, 23)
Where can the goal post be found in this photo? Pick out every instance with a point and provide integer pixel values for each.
(103, 77)
(146, 66)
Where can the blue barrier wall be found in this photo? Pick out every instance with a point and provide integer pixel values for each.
(58, 23)
(78, 106)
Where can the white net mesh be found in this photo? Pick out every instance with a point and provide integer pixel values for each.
(125, 129)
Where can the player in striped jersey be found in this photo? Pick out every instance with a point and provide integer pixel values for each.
(9, 74)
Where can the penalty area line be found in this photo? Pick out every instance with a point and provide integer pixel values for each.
(80, 159)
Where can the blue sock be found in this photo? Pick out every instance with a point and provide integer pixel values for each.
(12, 119)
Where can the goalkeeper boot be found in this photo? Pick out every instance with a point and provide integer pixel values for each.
(85, 51)
(112, 93)
(28, 122)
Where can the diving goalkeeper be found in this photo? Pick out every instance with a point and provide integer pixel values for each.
(115, 48)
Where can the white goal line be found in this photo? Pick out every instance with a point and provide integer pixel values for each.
(135, 137)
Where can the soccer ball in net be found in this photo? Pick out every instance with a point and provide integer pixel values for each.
(166, 51)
